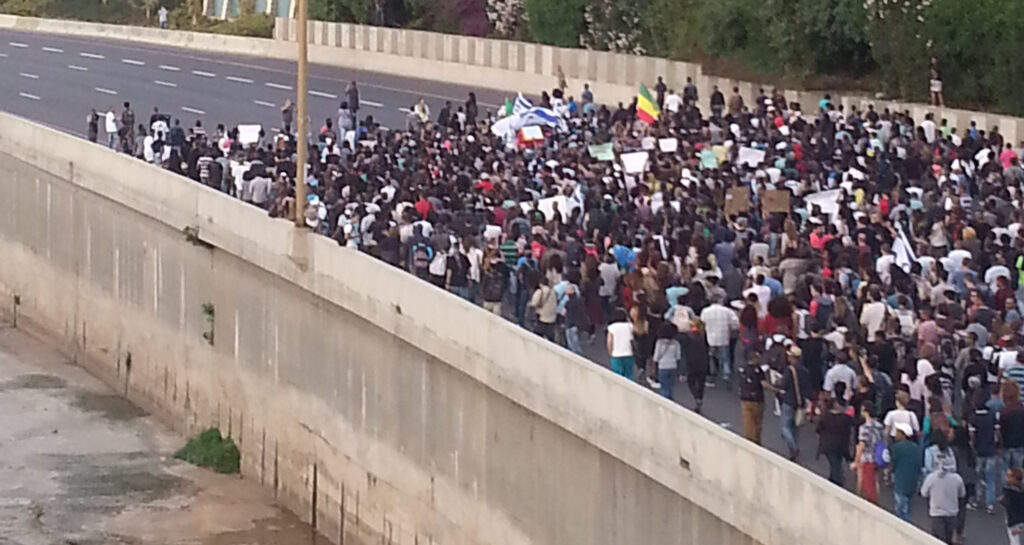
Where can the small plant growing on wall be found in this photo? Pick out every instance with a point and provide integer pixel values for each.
(208, 313)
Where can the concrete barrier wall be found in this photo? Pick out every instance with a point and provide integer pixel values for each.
(519, 66)
(374, 405)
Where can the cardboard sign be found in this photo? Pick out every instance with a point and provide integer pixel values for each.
(737, 201)
(532, 133)
(565, 206)
(602, 152)
(775, 200)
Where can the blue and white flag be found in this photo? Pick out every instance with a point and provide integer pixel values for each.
(542, 116)
(522, 105)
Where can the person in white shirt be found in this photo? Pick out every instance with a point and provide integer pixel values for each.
(840, 372)
(162, 17)
(884, 263)
(720, 323)
(928, 125)
(872, 316)
(110, 125)
(900, 415)
(956, 259)
(673, 102)
(620, 344)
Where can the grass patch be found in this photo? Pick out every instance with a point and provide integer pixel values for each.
(209, 449)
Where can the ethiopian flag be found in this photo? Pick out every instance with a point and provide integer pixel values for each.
(646, 107)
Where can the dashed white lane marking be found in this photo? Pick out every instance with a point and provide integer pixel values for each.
(265, 103)
(192, 110)
(53, 50)
(322, 94)
(405, 110)
(371, 104)
(3, 55)
(28, 96)
(202, 74)
(133, 62)
(91, 56)
(165, 83)
(238, 79)
(170, 68)
(105, 91)
(273, 85)
(29, 76)
(78, 68)
(17, 44)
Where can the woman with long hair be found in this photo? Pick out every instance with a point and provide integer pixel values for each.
(643, 339)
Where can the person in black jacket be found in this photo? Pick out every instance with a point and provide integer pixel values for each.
(697, 366)
(834, 431)
(1013, 501)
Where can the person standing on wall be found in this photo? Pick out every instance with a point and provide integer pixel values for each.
(110, 126)
(93, 125)
(162, 17)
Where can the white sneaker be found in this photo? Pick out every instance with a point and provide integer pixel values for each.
(653, 383)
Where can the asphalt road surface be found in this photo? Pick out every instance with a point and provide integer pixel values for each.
(55, 80)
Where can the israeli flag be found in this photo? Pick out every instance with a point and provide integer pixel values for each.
(522, 105)
(543, 116)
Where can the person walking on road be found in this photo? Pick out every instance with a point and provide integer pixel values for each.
(834, 429)
(667, 353)
(870, 453)
(110, 126)
(793, 382)
(751, 389)
(905, 457)
(943, 488)
(697, 362)
(1013, 501)
(287, 116)
(352, 96)
(620, 344)
(93, 125)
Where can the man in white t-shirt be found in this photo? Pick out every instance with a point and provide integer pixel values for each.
(162, 17)
(620, 345)
(110, 125)
(872, 316)
(840, 372)
(673, 102)
(901, 416)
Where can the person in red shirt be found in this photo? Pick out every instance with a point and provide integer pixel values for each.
(819, 238)
(423, 206)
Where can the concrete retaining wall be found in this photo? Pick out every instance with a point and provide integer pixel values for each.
(374, 405)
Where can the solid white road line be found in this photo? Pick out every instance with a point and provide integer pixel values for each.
(170, 68)
(53, 50)
(238, 79)
(28, 96)
(192, 110)
(202, 74)
(17, 44)
(279, 86)
(370, 103)
(322, 94)
(165, 83)
(29, 76)
(133, 62)
(265, 103)
(105, 91)
(78, 68)
(91, 56)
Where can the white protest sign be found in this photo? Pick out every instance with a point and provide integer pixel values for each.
(249, 134)
(634, 163)
(546, 205)
(668, 145)
(750, 156)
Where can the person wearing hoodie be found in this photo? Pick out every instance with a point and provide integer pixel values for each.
(943, 488)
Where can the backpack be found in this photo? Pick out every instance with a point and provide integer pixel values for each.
(882, 456)
(775, 357)
(421, 256)
(750, 388)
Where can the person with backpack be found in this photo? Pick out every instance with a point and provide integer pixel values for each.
(527, 278)
(667, 353)
(457, 274)
(493, 281)
(545, 303)
(751, 386)
(871, 453)
(905, 460)
(420, 257)
(943, 488)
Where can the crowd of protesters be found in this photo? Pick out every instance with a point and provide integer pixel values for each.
(888, 317)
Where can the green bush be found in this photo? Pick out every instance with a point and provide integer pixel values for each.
(556, 22)
(211, 450)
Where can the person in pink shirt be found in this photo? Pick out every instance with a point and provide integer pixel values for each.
(1007, 156)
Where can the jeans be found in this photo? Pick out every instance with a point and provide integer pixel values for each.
(667, 378)
(1013, 457)
(988, 471)
(942, 528)
(461, 291)
(835, 467)
(787, 421)
(724, 356)
(111, 139)
(521, 299)
(572, 339)
(901, 506)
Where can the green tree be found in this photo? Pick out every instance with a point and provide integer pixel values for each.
(556, 22)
